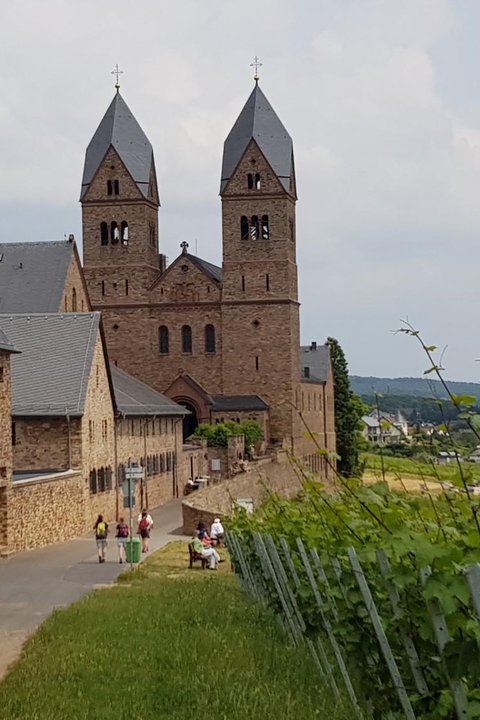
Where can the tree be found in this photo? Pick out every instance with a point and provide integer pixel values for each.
(348, 412)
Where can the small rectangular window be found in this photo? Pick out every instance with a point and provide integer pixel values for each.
(1, 373)
(257, 364)
(267, 281)
(126, 287)
(243, 283)
(14, 433)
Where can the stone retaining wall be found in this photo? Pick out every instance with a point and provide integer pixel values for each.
(265, 476)
(48, 510)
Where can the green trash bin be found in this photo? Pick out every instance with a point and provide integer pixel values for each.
(133, 550)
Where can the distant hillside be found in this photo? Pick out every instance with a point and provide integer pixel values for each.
(416, 387)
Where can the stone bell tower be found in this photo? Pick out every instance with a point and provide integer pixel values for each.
(119, 210)
(260, 299)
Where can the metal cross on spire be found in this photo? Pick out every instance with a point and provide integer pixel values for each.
(256, 64)
(184, 245)
(117, 72)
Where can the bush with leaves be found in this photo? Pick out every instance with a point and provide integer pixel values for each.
(414, 532)
(217, 434)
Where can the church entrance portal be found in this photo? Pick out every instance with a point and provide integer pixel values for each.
(190, 422)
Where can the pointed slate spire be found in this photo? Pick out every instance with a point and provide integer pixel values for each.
(120, 130)
(258, 121)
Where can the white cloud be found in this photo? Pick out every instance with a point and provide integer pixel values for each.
(388, 168)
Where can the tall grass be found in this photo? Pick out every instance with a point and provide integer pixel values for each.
(407, 466)
(168, 644)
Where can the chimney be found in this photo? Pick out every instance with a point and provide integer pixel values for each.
(313, 346)
(71, 238)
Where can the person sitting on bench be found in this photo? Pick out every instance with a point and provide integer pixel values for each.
(216, 531)
(209, 553)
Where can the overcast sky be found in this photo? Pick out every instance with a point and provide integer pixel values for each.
(381, 97)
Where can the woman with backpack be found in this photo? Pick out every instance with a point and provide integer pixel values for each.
(101, 532)
(122, 537)
(144, 526)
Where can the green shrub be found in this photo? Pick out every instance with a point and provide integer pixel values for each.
(217, 434)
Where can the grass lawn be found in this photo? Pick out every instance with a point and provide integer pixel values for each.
(414, 471)
(165, 643)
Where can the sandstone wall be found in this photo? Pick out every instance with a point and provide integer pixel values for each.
(47, 511)
(157, 445)
(45, 444)
(5, 444)
(98, 438)
(75, 297)
(264, 477)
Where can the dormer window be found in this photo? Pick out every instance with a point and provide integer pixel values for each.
(257, 181)
(109, 187)
(250, 181)
(116, 187)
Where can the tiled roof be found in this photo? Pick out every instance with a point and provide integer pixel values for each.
(133, 397)
(258, 121)
(120, 130)
(227, 403)
(50, 375)
(317, 359)
(32, 275)
(210, 269)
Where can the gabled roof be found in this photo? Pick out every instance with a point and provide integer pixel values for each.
(317, 359)
(50, 376)
(227, 403)
(133, 397)
(6, 345)
(33, 275)
(213, 271)
(258, 121)
(370, 422)
(120, 130)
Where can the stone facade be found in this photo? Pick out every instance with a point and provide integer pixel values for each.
(251, 303)
(51, 509)
(81, 461)
(120, 269)
(5, 446)
(264, 477)
(75, 294)
(156, 444)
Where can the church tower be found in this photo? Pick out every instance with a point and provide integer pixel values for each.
(119, 210)
(260, 311)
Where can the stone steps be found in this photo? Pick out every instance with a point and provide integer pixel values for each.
(6, 553)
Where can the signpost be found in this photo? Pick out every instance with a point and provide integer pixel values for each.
(133, 472)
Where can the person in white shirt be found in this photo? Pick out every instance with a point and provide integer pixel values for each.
(149, 518)
(216, 531)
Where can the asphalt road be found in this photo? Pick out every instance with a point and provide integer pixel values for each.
(33, 584)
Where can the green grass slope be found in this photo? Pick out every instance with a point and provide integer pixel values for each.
(165, 643)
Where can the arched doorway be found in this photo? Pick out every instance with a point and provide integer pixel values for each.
(190, 422)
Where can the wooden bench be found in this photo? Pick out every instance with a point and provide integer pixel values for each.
(194, 556)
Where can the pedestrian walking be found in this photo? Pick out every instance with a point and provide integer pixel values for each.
(145, 524)
(101, 532)
(122, 536)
